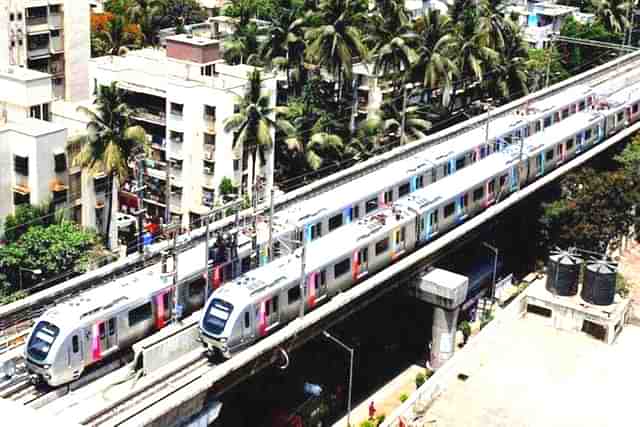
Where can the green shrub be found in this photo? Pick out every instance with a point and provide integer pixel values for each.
(428, 373)
(380, 419)
(226, 186)
(367, 424)
(420, 379)
(403, 397)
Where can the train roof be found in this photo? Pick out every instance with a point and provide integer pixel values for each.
(342, 242)
(121, 291)
(452, 186)
(625, 94)
(569, 127)
(562, 98)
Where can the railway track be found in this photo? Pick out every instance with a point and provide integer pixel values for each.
(20, 315)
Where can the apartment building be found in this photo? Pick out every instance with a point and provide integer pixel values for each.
(50, 36)
(181, 95)
(36, 158)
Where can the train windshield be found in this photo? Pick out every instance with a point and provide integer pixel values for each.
(41, 340)
(217, 315)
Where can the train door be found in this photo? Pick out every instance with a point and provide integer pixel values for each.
(490, 192)
(515, 177)
(421, 222)
(107, 334)
(600, 130)
(163, 309)
(540, 164)
(462, 202)
(272, 311)
(432, 224)
(360, 264)
(560, 153)
(76, 355)
(347, 214)
(399, 242)
(248, 331)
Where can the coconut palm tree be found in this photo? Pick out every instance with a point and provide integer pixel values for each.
(433, 67)
(613, 14)
(111, 141)
(492, 22)
(337, 41)
(475, 57)
(253, 123)
(511, 75)
(148, 14)
(415, 124)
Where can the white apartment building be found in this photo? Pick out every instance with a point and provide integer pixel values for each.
(50, 36)
(181, 96)
(35, 157)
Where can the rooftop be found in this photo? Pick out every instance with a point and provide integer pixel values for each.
(529, 374)
(23, 74)
(194, 40)
(33, 127)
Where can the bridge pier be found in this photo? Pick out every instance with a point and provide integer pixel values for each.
(445, 291)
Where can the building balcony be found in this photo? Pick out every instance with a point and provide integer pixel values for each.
(55, 20)
(209, 123)
(209, 153)
(37, 24)
(150, 115)
(56, 45)
(536, 34)
(38, 51)
(158, 200)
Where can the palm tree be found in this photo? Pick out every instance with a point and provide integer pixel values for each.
(415, 124)
(111, 141)
(253, 123)
(285, 45)
(613, 14)
(394, 59)
(148, 14)
(511, 77)
(434, 67)
(475, 57)
(242, 46)
(492, 23)
(337, 42)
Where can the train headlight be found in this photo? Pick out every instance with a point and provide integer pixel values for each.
(46, 366)
(223, 340)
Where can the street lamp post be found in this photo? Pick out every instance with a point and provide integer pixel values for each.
(495, 267)
(35, 272)
(350, 350)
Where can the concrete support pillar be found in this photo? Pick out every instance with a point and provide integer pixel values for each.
(443, 333)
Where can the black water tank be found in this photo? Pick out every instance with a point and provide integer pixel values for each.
(599, 285)
(563, 272)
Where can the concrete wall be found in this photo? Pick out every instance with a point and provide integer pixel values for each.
(21, 89)
(77, 49)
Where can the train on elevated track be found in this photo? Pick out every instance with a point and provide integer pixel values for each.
(351, 232)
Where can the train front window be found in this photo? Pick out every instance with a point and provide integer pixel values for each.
(42, 339)
(217, 316)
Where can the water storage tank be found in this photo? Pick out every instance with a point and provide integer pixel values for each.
(563, 271)
(599, 285)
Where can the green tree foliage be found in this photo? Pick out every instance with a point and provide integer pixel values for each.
(594, 212)
(577, 58)
(613, 14)
(26, 216)
(542, 62)
(53, 249)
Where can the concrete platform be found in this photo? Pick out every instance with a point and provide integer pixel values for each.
(574, 314)
(530, 374)
(16, 414)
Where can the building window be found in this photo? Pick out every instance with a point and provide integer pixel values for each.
(209, 139)
(59, 197)
(177, 109)
(177, 137)
(100, 184)
(20, 18)
(21, 165)
(210, 113)
(236, 164)
(34, 112)
(11, 16)
(21, 199)
(60, 162)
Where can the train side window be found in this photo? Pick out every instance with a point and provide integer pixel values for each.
(247, 322)
(140, 314)
(400, 235)
(371, 205)
(449, 209)
(492, 186)
(620, 116)
(75, 344)
(556, 116)
(101, 330)
(356, 211)
(634, 108)
(460, 162)
(388, 196)
(503, 180)
(581, 106)
(293, 294)
(420, 181)
(245, 264)
(274, 303)
(195, 289)
(112, 327)
(569, 144)
(537, 126)
(434, 175)
(323, 278)
(587, 134)
(549, 155)
(547, 121)
(465, 200)
(565, 113)
(335, 221)
(403, 190)
(382, 246)
(478, 194)
(341, 268)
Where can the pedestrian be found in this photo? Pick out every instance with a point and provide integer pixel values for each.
(372, 411)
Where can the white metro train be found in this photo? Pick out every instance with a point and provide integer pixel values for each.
(82, 332)
(250, 307)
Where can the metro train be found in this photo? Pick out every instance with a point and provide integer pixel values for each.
(252, 306)
(82, 332)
